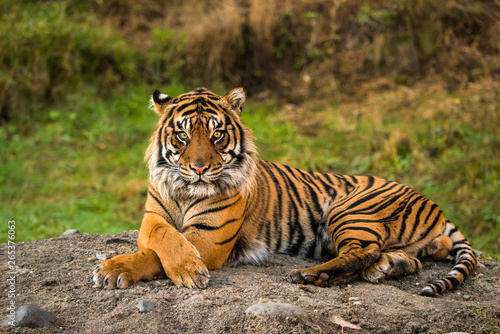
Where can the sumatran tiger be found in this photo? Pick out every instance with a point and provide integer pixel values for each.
(212, 202)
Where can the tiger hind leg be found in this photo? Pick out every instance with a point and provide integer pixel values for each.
(344, 268)
(439, 248)
(392, 264)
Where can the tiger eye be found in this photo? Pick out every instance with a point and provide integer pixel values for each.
(217, 134)
(183, 135)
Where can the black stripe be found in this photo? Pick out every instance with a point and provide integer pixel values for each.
(147, 211)
(454, 282)
(434, 223)
(454, 251)
(161, 159)
(290, 185)
(453, 230)
(205, 103)
(212, 210)
(360, 228)
(313, 194)
(297, 229)
(362, 243)
(162, 206)
(230, 238)
(276, 210)
(407, 213)
(209, 227)
(462, 271)
(362, 200)
(327, 187)
(417, 222)
(182, 107)
(195, 202)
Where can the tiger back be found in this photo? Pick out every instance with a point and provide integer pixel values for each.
(212, 202)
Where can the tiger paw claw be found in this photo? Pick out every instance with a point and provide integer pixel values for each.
(299, 277)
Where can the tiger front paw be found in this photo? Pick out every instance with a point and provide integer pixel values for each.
(187, 268)
(124, 270)
(117, 272)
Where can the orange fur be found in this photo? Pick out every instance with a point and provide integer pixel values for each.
(212, 202)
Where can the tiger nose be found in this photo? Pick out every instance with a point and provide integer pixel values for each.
(199, 168)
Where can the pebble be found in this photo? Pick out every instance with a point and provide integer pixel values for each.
(145, 306)
(341, 322)
(276, 309)
(196, 298)
(100, 256)
(467, 297)
(72, 231)
(31, 316)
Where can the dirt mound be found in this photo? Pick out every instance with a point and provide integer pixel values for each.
(55, 275)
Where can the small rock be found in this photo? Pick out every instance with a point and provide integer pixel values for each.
(100, 256)
(356, 303)
(467, 297)
(21, 271)
(196, 298)
(341, 322)
(145, 306)
(276, 309)
(353, 298)
(72, 231)
(31, 316)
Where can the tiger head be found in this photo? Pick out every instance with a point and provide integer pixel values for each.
(201, 147)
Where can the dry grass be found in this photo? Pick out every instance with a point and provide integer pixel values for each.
(293, 49)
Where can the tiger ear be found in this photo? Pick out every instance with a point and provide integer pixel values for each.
(160, 102)
(235, 99)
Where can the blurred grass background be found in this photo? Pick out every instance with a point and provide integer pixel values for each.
(405, 90)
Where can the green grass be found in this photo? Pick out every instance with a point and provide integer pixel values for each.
(81, 165)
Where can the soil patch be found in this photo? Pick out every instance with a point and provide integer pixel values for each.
(55, 275)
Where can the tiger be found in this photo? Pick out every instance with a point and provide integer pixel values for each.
(211, 202)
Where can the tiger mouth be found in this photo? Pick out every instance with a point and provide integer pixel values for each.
(198, 180)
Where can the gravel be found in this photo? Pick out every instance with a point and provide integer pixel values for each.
(55, 275)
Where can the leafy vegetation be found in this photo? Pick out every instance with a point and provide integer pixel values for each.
(402, 90)
(82, 167)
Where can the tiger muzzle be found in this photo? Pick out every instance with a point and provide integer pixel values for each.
(199, 168)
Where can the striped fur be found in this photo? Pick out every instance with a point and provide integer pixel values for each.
(212, 202)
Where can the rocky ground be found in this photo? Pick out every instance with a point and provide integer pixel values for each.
(55, 275)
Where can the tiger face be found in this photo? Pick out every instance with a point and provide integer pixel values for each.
(202, 147)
